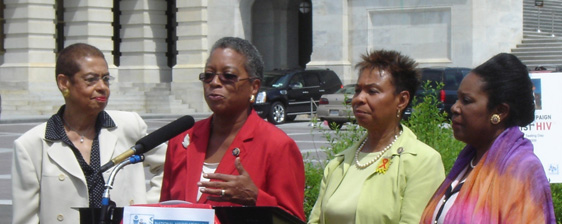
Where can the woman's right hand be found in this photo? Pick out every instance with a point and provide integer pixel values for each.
(239, 189)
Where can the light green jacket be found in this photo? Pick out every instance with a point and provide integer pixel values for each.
(397, 196)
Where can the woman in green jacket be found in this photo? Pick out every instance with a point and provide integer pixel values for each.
(389, 176)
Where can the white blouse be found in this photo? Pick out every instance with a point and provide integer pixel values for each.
(207, 168)
(449, 198)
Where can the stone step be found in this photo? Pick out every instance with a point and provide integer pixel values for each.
(537, 49)
(544, 48)
(542, 61)
(119, 97)
(537, 55)
(174, 106)
(542, 57)
(530, 38)
(540, 44)
(124, 96)
(545, 31)
(547, 5)
(543, 35)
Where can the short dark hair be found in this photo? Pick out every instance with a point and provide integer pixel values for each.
(405, 75)
(67, 60)
(506, 80)
(254, 62)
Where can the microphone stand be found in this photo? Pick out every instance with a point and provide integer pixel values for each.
(107, 207)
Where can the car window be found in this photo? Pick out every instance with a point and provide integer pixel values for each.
(465, 72)
(452, 80)
(297, 81)
(328, 76)
(349, 90)
(433, 76)
(310, 79)
(275, 80)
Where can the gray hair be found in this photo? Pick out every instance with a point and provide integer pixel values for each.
(254, 62)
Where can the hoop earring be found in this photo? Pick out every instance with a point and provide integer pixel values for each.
(252, 99)
(65, 93)
(495, 119)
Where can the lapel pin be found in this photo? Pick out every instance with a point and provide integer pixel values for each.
(236, 152)
(185, 142)
(400, 150)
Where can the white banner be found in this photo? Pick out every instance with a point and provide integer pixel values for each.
(546, 131)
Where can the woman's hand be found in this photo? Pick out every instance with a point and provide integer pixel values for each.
(239, 189)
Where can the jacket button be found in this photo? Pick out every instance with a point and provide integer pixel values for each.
(60, 217)
(61, 177)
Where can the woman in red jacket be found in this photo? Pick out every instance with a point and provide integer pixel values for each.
(234, 157)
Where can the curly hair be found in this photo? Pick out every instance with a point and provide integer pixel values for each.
(405, 75)
(506, 80)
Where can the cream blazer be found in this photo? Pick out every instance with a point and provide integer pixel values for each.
(48, 183)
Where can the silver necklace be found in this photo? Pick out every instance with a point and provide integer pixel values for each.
(69, 128)
(363, 166)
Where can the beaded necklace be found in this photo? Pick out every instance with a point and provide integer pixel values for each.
(363, 166)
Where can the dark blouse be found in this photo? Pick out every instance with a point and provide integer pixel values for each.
(96, 184)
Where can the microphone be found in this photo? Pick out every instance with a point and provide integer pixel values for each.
(153, 139)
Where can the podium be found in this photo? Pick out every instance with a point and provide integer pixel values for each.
(255, 215)
(225, 214)
(92, 215)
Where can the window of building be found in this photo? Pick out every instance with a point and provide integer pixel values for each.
(2, 50)
(59, 26)
(172, 36)
(116, 32)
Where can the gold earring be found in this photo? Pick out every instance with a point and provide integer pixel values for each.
(65, 93)
(495, 119)
(252, 99)
(398, 113)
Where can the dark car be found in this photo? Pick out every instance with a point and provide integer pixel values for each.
(284, 94)
(451, 77)
(335, 108)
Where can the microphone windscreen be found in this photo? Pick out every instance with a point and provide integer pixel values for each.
(164, 133)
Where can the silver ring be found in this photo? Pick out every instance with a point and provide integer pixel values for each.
(222, 192)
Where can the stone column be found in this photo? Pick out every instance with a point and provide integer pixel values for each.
(29, 42)
(496, 27)
(192, 49)
(330, 38)
(143, 46)
(89, 21)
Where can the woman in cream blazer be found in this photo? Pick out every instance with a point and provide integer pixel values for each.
(56, 164)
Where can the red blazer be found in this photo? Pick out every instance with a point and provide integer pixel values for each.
(272, 159)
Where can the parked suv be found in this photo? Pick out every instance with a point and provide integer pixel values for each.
(451, 77)
(286, 93)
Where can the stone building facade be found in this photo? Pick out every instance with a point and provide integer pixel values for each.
(157, 48)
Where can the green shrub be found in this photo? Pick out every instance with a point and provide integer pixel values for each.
(556, 190)
(432, 127)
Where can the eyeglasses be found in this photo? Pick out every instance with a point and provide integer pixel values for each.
(225, 78)
(92, 80)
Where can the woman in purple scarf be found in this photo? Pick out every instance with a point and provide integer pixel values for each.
(497, 178)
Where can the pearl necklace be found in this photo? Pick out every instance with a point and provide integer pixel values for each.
(363, 166)
(69, 128)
